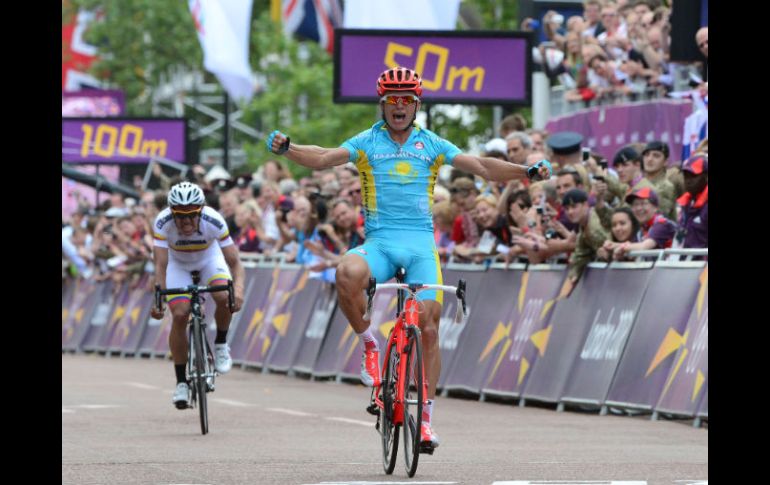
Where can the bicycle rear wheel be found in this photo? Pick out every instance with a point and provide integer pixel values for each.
(388, 430)
(200, 372)
(413, 399)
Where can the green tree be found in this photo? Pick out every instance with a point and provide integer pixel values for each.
(143, 43)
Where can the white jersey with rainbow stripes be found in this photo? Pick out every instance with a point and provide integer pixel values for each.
(198, 247)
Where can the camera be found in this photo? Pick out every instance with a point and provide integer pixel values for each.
(550, 233)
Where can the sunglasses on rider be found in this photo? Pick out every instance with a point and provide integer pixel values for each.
(404, 100)
(188, 214)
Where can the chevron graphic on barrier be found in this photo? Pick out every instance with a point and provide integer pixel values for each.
(699, 380)
(118, 313)
(540, 339)
(675, 371)
(386, 327)
(704, 284)
(523, 290)
(79, 315)
(64, 314)
(523, 369)
(671, 343)
(135, 315)
(546, 306)
(265, 345)
(501, 332)
(345, 336)
(281, 323)
(500, 356)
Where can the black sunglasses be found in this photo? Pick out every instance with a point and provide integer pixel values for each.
(458, 191)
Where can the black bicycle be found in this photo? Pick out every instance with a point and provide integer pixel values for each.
(201, 373)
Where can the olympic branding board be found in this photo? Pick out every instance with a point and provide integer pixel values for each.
(469, 67)
(123, 140)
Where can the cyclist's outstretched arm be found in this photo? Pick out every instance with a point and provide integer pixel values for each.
(490, 168)
(311, 156)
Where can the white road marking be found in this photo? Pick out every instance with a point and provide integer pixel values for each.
(571, 482)
(143, 386)
(96, 406)
(230, 402)
(355, 421)
(64, 410)
(380, 483)
(290, 412)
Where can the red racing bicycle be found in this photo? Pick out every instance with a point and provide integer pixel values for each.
(398, 400)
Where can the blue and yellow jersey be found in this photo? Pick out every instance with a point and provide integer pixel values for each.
(397, 181)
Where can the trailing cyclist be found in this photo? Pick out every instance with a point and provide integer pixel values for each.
(190, 236)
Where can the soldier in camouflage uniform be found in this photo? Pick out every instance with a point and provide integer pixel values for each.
(591, 236)
(654, 161)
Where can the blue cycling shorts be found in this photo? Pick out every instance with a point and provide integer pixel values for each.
(386, 251)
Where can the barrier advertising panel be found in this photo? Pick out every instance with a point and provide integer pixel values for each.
(103, 317)
(537, 295)
(489, 334)
(656, 337)
(703, 409)
(338, 346)
(563, 338)
(289, 336)
(451, 333)
(612, 318)
(273, 316)
(315, 334)
(259, 282)
(128, 330)
(77, 315)
(688, 378)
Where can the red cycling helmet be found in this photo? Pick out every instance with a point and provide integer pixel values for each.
(399, 79)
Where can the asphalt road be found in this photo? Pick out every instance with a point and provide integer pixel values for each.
(119, 427)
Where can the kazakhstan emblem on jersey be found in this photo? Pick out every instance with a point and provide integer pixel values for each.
(403, 172)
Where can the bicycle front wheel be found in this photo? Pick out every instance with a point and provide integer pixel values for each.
(388, 430)
(413, 399)
(200, 372)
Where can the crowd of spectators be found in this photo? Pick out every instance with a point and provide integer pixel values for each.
(590, 209)
(616, 50)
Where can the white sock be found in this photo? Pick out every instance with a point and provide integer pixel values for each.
(427, 411)
(368, 339)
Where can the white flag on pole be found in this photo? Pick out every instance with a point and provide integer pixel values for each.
(402, 14)
(223, 31)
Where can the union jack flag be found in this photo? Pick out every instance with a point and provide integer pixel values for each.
(312, 19)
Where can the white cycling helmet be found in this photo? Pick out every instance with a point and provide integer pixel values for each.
(185, 193)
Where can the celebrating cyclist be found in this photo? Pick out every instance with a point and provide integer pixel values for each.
(398, 163)
(190, 236)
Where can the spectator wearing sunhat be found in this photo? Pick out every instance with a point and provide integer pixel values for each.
(656, 231)
(628, 164)
(694, 222)
(654, 162)
(591, 234)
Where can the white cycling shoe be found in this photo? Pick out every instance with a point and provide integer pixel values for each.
(181, 397)
(222, 360)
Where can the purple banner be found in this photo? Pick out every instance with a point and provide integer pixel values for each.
(258, 284)
(92, 102)
(563, 338)
(612, 318)
(529, 335)
(688, 379)
(109, 140)
(273, 318)
(289, 335)
(456, 67)
(490, 332)
(315, 333)
(103, 316)
(131, 322)
(84, 297)
(656, 337)
(122, 299)
(607, 129)
(451, 334)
